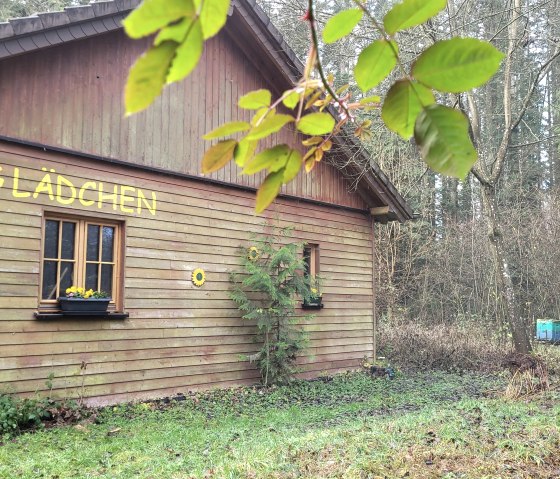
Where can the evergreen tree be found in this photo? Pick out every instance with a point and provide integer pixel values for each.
(267, 291)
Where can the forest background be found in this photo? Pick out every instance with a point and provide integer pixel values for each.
(440, 283)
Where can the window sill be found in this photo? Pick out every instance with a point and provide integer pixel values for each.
(104, 316)
(312, 305)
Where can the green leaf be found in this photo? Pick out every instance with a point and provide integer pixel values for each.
(146, 77)
(213, 16)
(260, 114)
(316, 124)
(457, 65)
(403, 104)
(341, 24)
(271, 124)
(293, 165)
(442, 135)
(244, 151)
(255, 100)
(291, 100)
(188, 54)
(218, 156)
(227, 129)
(152, 15)
(269, 190)
(175, 32)
(375, 63)
(411, 13)
(273, 159)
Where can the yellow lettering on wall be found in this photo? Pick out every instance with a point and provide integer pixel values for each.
(88, 185)
(15, 192)
(125, 198)
(1, 179)
(108, 196)
(60, 182)
(45, 186)
(142, 199)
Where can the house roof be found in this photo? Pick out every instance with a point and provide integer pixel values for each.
(22, 35)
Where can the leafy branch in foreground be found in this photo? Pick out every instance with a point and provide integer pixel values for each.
(312, 106)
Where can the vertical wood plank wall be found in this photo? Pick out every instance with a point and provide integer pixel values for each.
(71, 96)
(178, 337)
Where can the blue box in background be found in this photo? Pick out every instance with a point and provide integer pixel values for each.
(548, 330)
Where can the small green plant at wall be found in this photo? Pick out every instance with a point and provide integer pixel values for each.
(19, 414)
(268, 290)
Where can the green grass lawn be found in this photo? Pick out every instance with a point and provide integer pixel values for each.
(419, 425)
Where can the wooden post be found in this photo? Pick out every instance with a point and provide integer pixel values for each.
(373, 288)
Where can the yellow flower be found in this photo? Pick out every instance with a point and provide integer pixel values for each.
(253, 253)
(68, 290)
(198, 277)
(81, 290)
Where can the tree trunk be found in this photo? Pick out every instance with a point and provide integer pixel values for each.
(521, 339)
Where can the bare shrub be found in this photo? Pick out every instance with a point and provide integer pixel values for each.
(449, 347)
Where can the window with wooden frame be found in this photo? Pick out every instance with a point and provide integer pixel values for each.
(311, 272)
(311, 259)
(83, 252)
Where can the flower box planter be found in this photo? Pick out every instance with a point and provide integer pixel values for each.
(313, 303)
(84, 307)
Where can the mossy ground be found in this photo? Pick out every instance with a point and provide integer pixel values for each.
(423, 425)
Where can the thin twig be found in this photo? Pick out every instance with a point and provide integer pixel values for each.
(315, 40)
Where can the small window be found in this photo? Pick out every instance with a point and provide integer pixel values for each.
(311, 259)
(81, 252)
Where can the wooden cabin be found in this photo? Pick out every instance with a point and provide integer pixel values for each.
(91, 198)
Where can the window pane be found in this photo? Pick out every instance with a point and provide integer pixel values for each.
(66, 277)
(51, 239)
(93, 243)
(107, 278)
(92, 272)
(307, 261)
(49, 280)
(108, 241)
(68, 233)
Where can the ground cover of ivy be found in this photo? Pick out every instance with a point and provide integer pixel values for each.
(419, 425)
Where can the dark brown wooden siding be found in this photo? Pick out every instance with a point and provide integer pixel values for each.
(71, 96)
(178, 337)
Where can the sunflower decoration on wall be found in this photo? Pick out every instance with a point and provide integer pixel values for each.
(253, 253)
(198, 277)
